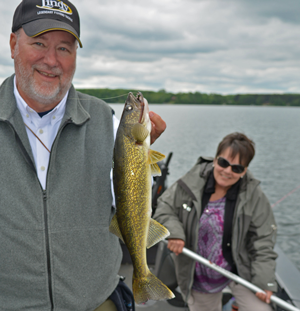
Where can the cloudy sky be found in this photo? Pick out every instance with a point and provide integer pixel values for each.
(210, 46)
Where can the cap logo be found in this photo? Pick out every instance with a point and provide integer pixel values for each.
(55, 6)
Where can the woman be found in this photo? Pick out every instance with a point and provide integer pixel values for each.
(219, 211)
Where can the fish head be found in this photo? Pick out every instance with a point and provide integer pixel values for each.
(135, 119)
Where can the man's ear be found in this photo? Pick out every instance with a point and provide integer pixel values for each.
(13, 43)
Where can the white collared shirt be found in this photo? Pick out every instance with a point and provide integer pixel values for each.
(46, 129)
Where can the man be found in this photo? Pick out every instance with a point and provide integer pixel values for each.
(55, 161)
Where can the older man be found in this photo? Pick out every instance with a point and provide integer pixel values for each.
(55, 162)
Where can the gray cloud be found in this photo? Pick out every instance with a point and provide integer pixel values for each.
(287, 11)
(211, 46)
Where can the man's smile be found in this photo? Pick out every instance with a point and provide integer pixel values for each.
(46, 74)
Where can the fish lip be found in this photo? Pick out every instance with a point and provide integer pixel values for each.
(132, 100)
(129, 98)
(140, 98)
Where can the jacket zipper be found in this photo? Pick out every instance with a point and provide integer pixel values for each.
(193, 227)
(49, 270)
(239, 233)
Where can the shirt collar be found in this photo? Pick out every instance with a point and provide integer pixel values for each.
(28, 113)
(210, 184)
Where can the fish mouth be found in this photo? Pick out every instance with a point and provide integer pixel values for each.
(140, 98)
(137, 103)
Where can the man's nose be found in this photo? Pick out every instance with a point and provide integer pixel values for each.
(50, 58)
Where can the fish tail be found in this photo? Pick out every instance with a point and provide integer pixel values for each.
(150, 288)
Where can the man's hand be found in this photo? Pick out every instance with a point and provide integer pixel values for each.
(175, 245)
(158, 125)
(265, 297)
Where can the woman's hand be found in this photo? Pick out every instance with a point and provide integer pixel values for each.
(265, 297)
(175, 245)
(158, 125)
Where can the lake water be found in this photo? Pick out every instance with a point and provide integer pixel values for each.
(197, 130)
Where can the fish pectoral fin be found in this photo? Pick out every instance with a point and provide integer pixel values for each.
(157, 232)
(139, 132)
(114, 228)
(155, 170)
(155, 156)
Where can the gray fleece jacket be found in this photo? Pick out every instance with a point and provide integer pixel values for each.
(56, 249)
(253, 229)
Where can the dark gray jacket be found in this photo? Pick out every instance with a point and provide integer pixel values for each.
(56, 249)
(253, 230)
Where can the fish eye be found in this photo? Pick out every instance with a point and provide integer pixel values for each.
(129, 107)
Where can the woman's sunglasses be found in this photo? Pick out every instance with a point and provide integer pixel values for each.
(236, 168)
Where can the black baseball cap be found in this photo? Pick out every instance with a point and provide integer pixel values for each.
(39, 16)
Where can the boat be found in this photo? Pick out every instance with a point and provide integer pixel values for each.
(160, 262)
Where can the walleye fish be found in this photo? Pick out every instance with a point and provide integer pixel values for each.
(134, 163)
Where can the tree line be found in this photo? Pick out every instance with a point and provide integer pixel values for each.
(197, 98)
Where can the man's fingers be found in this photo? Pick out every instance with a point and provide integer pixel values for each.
(158, 126)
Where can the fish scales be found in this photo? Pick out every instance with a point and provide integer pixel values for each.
(134, 163)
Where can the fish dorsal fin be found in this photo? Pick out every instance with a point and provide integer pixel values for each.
(155, 156)
(114, 228)
(157, 232)
(139, 132)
